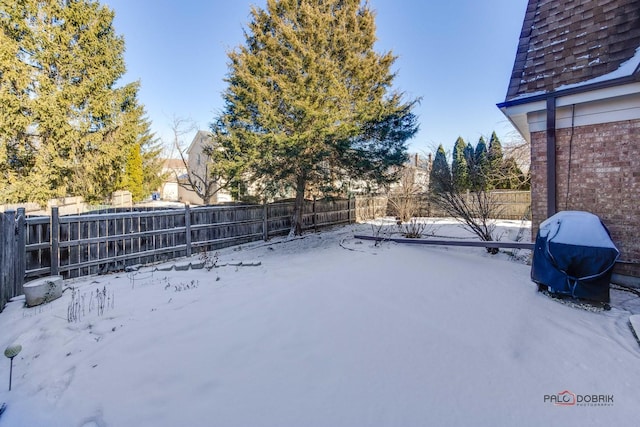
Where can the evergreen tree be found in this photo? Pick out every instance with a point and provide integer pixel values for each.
(459, 168)
(309, 102)
(496, 172)
(133, 176)
(151, 152)
(481, 166)
(440, 176)
(495, 148)
(512, 176)
(469, 156)
(61, 116)
(481, 151)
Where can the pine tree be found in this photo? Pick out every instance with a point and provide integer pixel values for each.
(459, 168)
(495, 148)
(481, 151)
(309, 102)
(133, 175)
(61, 111)
(150, 151)
(496, 171)
(481, 166)
(440, 176)
(469, 156)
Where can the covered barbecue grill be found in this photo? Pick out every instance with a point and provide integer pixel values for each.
(574, 256)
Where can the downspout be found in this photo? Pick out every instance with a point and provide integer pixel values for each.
(551, 156)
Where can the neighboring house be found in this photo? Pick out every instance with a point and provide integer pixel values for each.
(172, 169)
(414, 176)
(197, 168)
(575, 95)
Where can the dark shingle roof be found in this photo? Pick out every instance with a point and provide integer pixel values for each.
(566, 42)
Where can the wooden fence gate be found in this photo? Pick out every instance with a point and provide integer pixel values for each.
(12, 254)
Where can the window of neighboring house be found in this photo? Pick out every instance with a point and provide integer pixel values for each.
(198, 159)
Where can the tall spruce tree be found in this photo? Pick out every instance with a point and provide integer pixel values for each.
(495, 158)
(459, 168)
(133, 174)
(440, 175)
(512, 176)
(62, 115)
(495, 148)
(310, 103)
(135, 130)
(469, 156)
(151, 149)
(481, 166)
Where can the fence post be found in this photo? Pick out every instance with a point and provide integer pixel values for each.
(265, 221)
(8, 272)
(349, 209)
(187, 226)
(313, 216)
(55, 241)
(4, 260)
(21, 251)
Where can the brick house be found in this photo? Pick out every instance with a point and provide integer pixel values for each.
(574, 95)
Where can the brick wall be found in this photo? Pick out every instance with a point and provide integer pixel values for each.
(603, 177)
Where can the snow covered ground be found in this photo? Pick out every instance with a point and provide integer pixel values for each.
(325, 331)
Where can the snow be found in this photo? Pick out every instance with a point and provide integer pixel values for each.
(323, 330)
(576, 228)
(635, 325)
(625, 69)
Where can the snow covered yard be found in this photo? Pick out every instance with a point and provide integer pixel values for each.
(326, 331)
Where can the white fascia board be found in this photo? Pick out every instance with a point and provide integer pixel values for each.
(608, 110)
(518, 116)
(593, 107)
(599, 94)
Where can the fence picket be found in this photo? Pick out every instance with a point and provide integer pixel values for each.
(20, 251)
(4, 269)
(187, 228)
(55, 242)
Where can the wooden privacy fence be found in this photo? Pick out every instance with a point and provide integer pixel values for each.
(508, 204)
(12, 254)
(371, 207)
(85, 244)
(80, 245)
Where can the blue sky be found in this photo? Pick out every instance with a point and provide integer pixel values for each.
(456, 55)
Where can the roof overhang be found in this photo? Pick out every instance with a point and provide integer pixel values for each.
(519, 110)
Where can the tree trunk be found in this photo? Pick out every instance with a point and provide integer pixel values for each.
(298, 210)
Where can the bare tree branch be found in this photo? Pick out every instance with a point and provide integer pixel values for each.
(205, 179)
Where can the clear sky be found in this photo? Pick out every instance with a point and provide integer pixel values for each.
(457, 55)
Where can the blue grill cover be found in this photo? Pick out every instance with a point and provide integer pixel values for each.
(574, 255)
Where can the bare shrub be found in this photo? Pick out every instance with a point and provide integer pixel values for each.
(406, 196)
(209, 260)
(98, 302)
(475, 211)
(412, 229)
(416, 228)
(372, 209)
